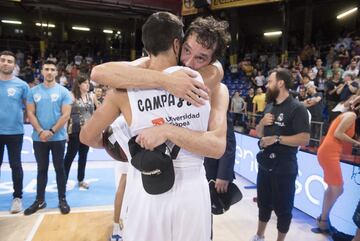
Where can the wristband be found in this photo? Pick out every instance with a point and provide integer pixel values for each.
(52, 131)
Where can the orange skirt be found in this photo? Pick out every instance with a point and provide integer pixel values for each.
(330, 163)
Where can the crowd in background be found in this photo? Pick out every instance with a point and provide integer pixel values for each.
(323, 77)
(70, 66)
(321, 80)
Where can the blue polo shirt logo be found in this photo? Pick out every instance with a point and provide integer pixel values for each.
(11, 91)
(37, 97)
(54, 97)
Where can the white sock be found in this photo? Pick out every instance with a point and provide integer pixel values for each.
(258, 237)
(116, 228)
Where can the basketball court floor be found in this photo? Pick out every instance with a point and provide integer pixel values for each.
(91, 211)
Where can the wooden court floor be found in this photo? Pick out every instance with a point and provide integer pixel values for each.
(94, 224)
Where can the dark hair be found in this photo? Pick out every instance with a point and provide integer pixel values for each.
(285, 75)
(49, 62)
(76, 86)
(323, 72)
(7, 52)
(211, 33)
(159, 32)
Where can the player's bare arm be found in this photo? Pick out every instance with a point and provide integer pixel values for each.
(91, 132)
(125, 75)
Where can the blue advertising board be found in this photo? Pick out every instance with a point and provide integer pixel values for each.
(310, 185)
(27, 152)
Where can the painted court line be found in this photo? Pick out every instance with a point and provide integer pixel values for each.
(81, 210)
(35, 227)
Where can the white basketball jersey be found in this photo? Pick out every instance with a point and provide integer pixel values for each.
(155, 107)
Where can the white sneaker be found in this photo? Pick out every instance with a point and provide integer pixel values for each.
(257, 238)
(84, 185)
(16, 205)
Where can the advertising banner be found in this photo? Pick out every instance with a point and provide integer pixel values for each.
(219, 4)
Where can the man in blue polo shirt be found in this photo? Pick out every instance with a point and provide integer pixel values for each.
(13, 92)
(48, 109)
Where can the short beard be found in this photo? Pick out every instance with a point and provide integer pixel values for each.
(7, 72)
(49, 80)
(271, 95)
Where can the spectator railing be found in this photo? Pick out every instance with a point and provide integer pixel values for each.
(316, 131)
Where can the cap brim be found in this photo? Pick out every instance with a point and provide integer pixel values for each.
(234, 193)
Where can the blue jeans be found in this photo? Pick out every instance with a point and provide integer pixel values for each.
(42, 151)
(13, 144)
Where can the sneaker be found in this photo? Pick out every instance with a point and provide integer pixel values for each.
(257, 238)
(64, 206)
(116, 237)
(84, 185)
(117, 232)
(16, 205)
(37, 205)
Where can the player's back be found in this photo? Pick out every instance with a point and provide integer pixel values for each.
(154, 107)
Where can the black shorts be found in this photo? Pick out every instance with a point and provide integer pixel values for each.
(356, 217)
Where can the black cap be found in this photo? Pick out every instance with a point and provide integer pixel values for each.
(156, 167)
(221, 202)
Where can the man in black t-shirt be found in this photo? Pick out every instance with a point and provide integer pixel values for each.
(348, 88)
(284, 127)
(332, 97)
(314, 104)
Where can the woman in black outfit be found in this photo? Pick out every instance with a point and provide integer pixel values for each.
(82, 108)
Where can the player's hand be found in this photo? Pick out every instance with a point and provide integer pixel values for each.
(183, 85)
(221, 185)
(268, 119)
(152, 137)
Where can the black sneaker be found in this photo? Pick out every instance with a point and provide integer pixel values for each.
(35, 207)
(64, 206)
